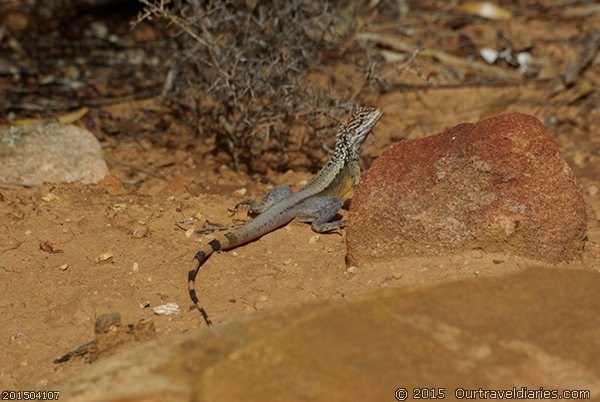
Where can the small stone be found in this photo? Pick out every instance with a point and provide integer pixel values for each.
(135, 267)
(288, 261)
(351, 270)
(580, 158)
(144, 304)
(63, 267)
(167, 309)
(140, 231)
(190, 232)
(50, 197)
(120, 206)
(240, 192)
(104, 256)
(314, 239)
(489, 55)
(478, 254)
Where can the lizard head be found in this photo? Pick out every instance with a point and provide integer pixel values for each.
(355, 130)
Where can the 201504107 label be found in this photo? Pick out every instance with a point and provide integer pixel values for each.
(29, 395)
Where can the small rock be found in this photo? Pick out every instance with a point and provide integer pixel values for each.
(135, 267)
(314, 239)
(63, 267)
(167, 309)
(50, 197)
(104, 256)
(489, 55)
(140, 231)
(240, 192)
(477, 254)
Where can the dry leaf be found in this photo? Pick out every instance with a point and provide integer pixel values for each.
(73, 116)
(485, 9)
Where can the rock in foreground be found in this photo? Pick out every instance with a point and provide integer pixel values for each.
(499, 185)
(495, 333)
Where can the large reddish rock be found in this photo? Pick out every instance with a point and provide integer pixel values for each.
(490, 333)
(497, 185)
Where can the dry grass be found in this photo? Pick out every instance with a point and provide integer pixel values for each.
(239, 76)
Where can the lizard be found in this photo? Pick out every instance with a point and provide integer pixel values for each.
(317, 202)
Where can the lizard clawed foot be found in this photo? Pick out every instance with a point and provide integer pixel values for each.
(249, 205)
(211, 227)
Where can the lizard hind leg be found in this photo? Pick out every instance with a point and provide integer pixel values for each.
(320, 211)
(273, 197)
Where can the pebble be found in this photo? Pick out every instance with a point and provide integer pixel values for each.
(478, 254)
(314, 239)
(104, 256)
(167, 309)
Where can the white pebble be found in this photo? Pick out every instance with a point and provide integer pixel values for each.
(167, 309)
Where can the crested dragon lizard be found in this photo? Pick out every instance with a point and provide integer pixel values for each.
(317, 202)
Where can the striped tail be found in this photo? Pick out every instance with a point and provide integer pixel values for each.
(199, 259)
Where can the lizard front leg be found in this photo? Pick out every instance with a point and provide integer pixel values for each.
(320, 210)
